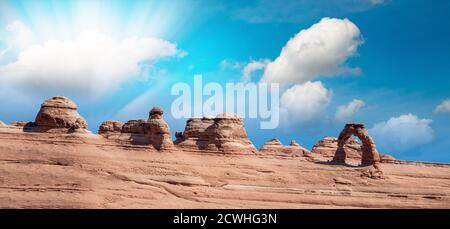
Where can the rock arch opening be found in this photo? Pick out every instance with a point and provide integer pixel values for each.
(369, 155)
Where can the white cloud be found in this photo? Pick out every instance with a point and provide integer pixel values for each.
(20, 36)
(91, 65)
(320, 50)
(253, 66)
(403, 133)
(345, 112)
(443, 107)
(305, 102)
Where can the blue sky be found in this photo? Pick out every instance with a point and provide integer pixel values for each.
(389, 66)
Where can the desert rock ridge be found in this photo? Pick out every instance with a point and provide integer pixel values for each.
(119, 169)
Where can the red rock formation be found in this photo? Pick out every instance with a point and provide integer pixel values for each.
(194, 135)
(373, 172)
(229, 135)
(295, 146)
(274, 146)
(84, 171)
(60, 112)
(369, 151)
(20, 123)
(110, 126)
(387, 158)
(134, 127)
(2, 123)
(154, 131)
(224, 133)
(157, 130)
(328, 145)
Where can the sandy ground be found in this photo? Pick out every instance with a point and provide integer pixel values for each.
(86, 171)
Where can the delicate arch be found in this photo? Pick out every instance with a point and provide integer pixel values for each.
(369, 151)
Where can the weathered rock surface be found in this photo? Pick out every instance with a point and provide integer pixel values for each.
(82, 170)
(195, 135)
(328, 145)
(274, 146)
(340, 180)
(369, 155)
(157, 130)
(387, 158)
(134, 127)
(60, 112)
(373, 172)
(154, 131)
(2, 123)
(20, 123)
(110, 126)
(224, 133)
(297, 147)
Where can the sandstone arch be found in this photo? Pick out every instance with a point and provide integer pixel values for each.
(369, 155)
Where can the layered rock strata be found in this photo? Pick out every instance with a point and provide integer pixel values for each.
(157, 130)
(59, 112)
(154, 131)
(225, 133)
(369, 155)
(274, 146)
(328, 145)
(110, 126)
(21, 123)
